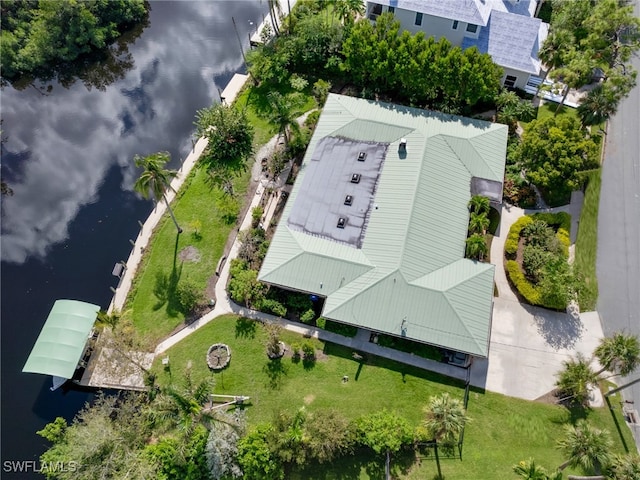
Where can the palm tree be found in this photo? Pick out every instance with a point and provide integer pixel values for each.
(155, 179)
(620, 353)
(551, 53)
(575, 380)
(586, 447)
(625, 467)
(598, 105)
(479, 204)
(283, 112)
(347, 10)
(478, 223)
(476, 246)
(529, 470)
(445, 419)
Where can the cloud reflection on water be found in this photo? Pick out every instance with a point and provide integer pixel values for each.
(60, 146)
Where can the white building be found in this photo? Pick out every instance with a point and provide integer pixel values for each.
(505, 29)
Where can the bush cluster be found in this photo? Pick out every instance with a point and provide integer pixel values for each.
(511, 245)
(530, 293)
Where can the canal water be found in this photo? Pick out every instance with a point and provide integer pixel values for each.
(67, 156)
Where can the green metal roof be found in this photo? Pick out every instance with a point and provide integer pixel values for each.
(62, 339)
(410, 277)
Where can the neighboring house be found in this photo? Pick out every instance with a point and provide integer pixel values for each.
(377, 221)
(505, 29)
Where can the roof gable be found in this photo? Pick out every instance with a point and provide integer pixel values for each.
(414, 242)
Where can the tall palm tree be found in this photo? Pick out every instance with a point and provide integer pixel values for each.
(586, 447)
(479, 204)
(620, 353)
(283, 109)
(478, 223)
(551, 53)
(575, 380)
(155, 179)
(476, 246)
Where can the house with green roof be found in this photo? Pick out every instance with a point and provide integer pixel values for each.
(377, 220)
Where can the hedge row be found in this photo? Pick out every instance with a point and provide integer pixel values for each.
(530, 293)
(511, 245)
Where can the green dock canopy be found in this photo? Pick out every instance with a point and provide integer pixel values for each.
(61, 342)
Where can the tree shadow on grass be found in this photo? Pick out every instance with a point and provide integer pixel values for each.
(308, 362)
(166, 286)
(275, 371)
(246, 328)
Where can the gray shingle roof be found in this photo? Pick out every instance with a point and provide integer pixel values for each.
(511, 40)
(469, 11)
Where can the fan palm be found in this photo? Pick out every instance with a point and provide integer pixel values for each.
(476, 247)
(445, 418)
(529, 470)
(347, 10)
(586, 447)
(575, 380)
(155, 179)
(619, 353)
(478, 223)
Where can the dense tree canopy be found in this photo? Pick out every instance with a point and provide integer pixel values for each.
(424, 71)
(37, 37)
(554, 151)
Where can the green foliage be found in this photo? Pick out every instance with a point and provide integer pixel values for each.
(269, 305)
(619, 353)
(321, 322)
(425, 71)
(252, 247)
(181, 459)
(511, 109)
(320, 91)
(479, 204)
(38, 38)
(478, 223)
(329, 435)
(476, 246)
(558, 284)
(586, 446)
(534, 260)
(530, 293)
(308, 316)
(337, 327)
(54, 431)
(575, 380)
(230, 143)
(554, 151)
(298, 302)
(513, 238)
(539, 234)
(222, 447)
(298, 83)
(308, 350)
(256, 459)
(445, 418)
(189, 296)
(244, 286)
(384, 431)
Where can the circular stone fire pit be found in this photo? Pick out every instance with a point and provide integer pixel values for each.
(218, 356)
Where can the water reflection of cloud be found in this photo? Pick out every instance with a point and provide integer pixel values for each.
(72, 137)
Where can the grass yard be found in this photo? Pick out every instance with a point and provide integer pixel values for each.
(502, 432)
(587, 244)
(201, 212)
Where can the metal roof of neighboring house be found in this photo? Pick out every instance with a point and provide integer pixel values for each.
(512, 41)
(409, 276)
(469, 11)
(62, 339)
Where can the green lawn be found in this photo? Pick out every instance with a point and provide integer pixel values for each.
(503, 430)
(152, 300)
(587, 244)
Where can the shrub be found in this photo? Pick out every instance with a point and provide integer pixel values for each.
(298, 302)
(308, 316)
(308, 350)
(273, 306)
(256, 215)
(295, 350)
(189, 296)
(534, 259)
(524, 287)
(321, 91)
(511, 245)
(321, 323)
(341, 328)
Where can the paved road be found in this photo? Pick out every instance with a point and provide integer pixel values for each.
(618, 263)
